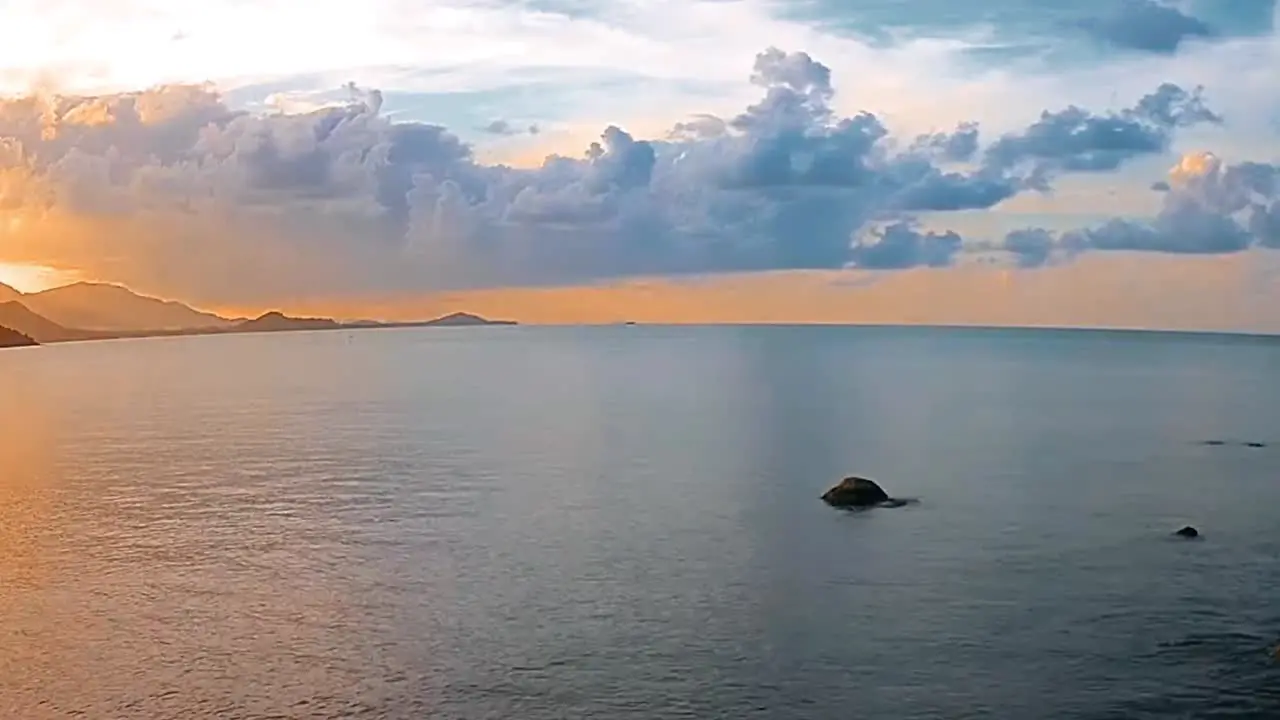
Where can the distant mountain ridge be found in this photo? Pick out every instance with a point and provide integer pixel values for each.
(93, 311)
(19, 317)
(115, 308)
(7, 293)
(276, 321)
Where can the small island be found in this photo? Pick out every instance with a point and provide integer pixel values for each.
(276, 321)
(462, 319)
(14, 339)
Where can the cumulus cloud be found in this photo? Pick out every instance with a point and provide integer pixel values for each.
(1208, 207)
(900, 245)
(225, 205)
(1147, 25)
(1076, 140)
(959, 146)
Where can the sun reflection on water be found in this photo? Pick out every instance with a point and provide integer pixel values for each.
(27, 479)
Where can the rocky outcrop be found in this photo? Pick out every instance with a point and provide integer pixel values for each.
(1188, 532)
(858, 492)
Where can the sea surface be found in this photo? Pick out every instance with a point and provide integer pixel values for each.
(623, 522)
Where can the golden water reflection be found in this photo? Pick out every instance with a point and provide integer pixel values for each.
(163, 550)
(28, 482)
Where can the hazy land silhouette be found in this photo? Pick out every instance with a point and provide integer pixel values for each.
(12, 338)
(95, 311)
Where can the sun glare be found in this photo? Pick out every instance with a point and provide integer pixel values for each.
(30, 278)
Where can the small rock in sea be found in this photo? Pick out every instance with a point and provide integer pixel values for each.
(1188, 532)
(856, 492)
(1255, 444)
(1215, 442)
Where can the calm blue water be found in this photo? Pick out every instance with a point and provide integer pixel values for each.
(622, 522)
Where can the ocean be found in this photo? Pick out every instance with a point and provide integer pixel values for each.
(623, 522)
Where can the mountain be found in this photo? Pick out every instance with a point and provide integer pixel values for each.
(19, 317)
(276, 321)
(460, 319)
(13, 338)
(113, 308)
(93, 311)
(279, 322)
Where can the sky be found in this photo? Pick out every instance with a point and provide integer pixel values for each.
(886, 160)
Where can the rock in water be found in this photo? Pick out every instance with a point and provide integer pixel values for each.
(1188, 532)
(856, 492)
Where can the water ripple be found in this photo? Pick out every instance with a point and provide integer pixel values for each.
(569, 523)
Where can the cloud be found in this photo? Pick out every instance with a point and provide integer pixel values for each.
(1075, 140)
(170, 186)
(957, 146)
(505, 128)
(1147, 25)
(1264, 223)
(1032, 247)
(463, 62)
(1208, 208)
(899, 246)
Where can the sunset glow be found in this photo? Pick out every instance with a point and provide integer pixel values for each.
(194, 151)
(32, 278)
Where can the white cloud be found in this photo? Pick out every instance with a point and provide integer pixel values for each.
(918, 83)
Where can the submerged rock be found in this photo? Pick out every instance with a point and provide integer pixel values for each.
(1188, 532)
(858, 492)
(1234, 443)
